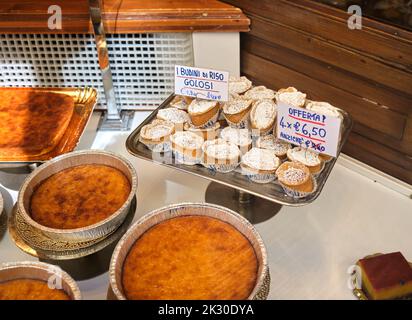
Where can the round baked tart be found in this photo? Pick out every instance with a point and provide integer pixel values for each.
(263, 116)
(190, 251)
(181, 102)
(296, 179)
(260, 93)
(29, 280)
(236, 112)
(240, 137)
(270, 142)
(187, 147)
(291, 96)
(78, 197)
(260, 165)
(174, 115)
(308, 158)
(156, 135)
(210, 133)
(220, 156)
(203, 113)
(239, 85)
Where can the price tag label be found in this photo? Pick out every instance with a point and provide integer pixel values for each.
(202, 83)
(315, 131)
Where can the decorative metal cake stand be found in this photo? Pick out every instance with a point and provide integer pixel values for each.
(257, 202)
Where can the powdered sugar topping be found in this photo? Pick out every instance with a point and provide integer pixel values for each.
(157, 129)
(173, 115)
(294, 175)
(239, 85)
(200, 106)
(220, 149)
(158, 132)
(261, 159)
(304, 156)
(270, 142)
(323, 108)
(237, 105)
(240, 137)
(295, 98)
(260, 93)
(263, 113)
(187, 139)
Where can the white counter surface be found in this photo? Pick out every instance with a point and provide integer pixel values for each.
(310, 248)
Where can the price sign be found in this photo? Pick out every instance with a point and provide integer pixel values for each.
(312, 130)
(202, 83)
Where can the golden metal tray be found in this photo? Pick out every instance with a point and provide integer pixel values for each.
(270, 191)
(85, 100)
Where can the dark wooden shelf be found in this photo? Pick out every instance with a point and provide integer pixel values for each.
(124, 16)
(366, 72)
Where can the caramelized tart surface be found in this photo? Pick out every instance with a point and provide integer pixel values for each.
(191, 257)
(32, 123)
(27, 289)
(79, 196)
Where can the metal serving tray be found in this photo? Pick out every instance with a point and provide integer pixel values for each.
(270, 191)
(85, 100)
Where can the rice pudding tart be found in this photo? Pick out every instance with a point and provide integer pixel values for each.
(206, 133)
(220, 155)
(29, 289)
(308, 158)
(263, 116)
(260, 93)
(260, 165)
(203, 113)
(187, 147)
(181, 102)
(291, 96)
(156, 135)
(296, 179)
(279, 146)
(239, 85)
(236, 112)
(324, 108)
(176, 116)
(32, 123)
(190, 258)
(79, 196)
(240, 137)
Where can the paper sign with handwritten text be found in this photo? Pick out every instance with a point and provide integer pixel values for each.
(308, 129)
(202, 83)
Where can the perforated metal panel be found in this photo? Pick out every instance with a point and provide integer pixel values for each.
(142, 64)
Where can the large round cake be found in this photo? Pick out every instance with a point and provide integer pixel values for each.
(190, 257)
(28, 289)
(79, 196)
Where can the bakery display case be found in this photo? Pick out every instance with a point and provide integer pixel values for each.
(123, 190)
